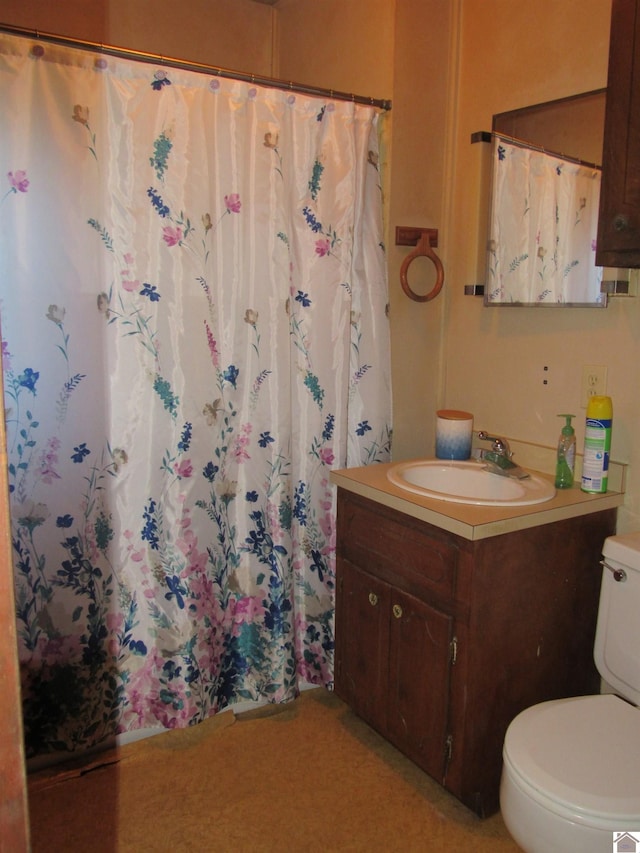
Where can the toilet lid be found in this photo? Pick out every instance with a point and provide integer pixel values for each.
(583, 753)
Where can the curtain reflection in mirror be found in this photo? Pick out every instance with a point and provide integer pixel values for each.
(542, 229)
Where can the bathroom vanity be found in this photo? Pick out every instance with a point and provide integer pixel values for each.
(451, 619)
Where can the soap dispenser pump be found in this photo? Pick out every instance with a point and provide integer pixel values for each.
(566, 459)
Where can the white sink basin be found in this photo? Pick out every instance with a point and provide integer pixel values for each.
(468, 483)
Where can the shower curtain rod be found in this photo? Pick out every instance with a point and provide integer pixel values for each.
(487, 136)
(127, 53)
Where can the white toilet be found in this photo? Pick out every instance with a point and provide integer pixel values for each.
(571, 773)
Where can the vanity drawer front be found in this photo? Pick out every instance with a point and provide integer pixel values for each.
(395, 547)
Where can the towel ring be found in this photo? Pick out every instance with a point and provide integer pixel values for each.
(423, 249)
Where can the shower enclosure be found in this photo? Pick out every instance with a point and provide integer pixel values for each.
(193, 301)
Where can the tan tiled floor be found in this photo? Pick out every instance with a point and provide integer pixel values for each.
(308, 776)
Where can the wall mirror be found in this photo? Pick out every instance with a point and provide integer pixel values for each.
(544, 196)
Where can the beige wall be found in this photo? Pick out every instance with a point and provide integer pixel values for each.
(235, 34)
(424, 74)
(513, 54)
(448, 65)
(346, 46)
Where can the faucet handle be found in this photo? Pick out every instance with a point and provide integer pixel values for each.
(500, 445)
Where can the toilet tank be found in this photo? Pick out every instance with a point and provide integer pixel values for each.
(617, 646)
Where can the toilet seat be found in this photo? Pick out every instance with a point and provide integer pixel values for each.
(579, 758)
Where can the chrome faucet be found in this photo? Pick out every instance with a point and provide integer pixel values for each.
(498, 458)
(498, 445)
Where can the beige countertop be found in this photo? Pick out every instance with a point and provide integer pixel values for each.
(469, 521)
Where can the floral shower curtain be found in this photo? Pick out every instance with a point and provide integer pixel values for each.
(543, 227)
(194, 332)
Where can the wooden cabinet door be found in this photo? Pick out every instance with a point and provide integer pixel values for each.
(420, 654)
(393, 655)
(362, 643)
(618, 242)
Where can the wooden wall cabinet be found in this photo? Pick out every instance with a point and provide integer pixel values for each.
(618, 243)
(442, 641)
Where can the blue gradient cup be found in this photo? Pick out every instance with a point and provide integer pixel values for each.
(454, 431)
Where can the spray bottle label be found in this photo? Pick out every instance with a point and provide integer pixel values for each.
(597, 444)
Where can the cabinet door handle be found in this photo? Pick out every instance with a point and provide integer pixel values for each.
(621, 222)
(397, 611)
(373, 599)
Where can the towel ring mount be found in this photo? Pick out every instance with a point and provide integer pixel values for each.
(424, 239)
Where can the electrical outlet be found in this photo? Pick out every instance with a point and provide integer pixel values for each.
(594, 382)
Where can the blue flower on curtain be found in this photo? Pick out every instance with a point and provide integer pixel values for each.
(151, 291)
(160, 80)
(79, 453)
(28, 379)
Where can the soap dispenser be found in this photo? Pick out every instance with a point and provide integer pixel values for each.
(566, 460)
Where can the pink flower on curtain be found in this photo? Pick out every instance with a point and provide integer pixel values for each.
(240, 444)
(6, 356)
(136, 555)
(56, 650)
(233, 203)
(49, 461)
(323, 247)
(129, 284)
(114, 621)
(171, 236)
(326, 456)
(213, 346)
(19, 181)
(184, 468)
(247, 610)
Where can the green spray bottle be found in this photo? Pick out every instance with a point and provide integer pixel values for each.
(597, 444)
(566, 460)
